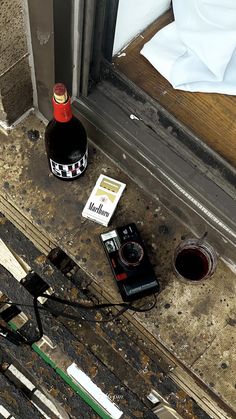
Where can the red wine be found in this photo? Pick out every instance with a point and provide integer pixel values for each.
(192, 264)
(65, 139)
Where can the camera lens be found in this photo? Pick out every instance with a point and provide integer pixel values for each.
(131, 253)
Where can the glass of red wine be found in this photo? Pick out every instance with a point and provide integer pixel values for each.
(194, 260)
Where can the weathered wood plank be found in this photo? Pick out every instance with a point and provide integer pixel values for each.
(116, 344)
(68, 349)
(8, 260)
(15, 402)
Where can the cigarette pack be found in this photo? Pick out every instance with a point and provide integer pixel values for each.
(103, 200)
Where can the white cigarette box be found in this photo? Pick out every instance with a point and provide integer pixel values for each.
(103, 200)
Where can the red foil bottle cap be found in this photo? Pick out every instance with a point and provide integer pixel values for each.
(61, 103)
(60, 93)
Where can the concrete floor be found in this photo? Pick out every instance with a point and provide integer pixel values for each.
(194, 324)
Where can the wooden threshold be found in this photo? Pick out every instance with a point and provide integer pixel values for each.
(210, 116)
(39, 239)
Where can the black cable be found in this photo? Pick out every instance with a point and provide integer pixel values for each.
(39, 323)
(94, 306)
(14, 336)
(37, 308)
(81, 319)
(128, 306)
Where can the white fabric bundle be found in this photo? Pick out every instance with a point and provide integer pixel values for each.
(197, 52)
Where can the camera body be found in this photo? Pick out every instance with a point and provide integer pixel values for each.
(129, 262)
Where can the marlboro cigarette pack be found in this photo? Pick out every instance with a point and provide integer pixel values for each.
(103, 200)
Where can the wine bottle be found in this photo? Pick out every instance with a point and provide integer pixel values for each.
(65, 139)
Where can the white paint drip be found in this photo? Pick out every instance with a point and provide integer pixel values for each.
(17, 267)
(153, 398)
(20, 319)
(4, 126)
(4, 307)
(37, 393)
(40, 410)
(8, 260)
(45, 340)
(122, 54)
(21, 377)
(48, 403)
(134, 117)
(94, 391)
(4, 412)
(43, 37)
(43, 300)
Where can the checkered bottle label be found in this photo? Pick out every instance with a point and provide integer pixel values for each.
(69, 171)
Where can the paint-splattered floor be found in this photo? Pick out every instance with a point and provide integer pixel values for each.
(192, 325)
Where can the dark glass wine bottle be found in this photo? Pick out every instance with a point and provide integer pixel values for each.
(65, 139)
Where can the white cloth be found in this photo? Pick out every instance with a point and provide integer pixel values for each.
(197, 52)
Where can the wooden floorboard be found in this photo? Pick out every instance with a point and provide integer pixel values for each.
(115, 351)
(212, 117)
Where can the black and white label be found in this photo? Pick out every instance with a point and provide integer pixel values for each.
(69, 171)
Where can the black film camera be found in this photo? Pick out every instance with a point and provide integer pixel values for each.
(129, 261)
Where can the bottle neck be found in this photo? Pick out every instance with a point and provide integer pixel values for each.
(62, 111)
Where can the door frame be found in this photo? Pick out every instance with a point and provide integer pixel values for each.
(149, 143)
